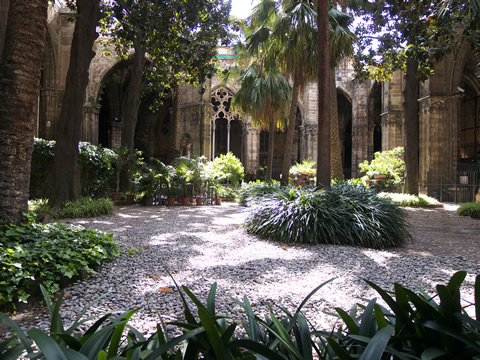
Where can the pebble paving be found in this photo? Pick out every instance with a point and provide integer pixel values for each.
(206, 244)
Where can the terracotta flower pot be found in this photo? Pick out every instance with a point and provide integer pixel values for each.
(199, 201)
(185, 201)
(130, 199)
(170, 201)
(116, 196)
(218, 201)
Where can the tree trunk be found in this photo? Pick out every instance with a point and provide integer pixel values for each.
(335, 145)
(287, 156)
(68, 133)
(174, 151)
(323, 161)
(20, 66)
(133, 97)
(271, 147)
(411, 108)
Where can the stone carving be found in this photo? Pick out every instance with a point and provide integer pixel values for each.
(221, 99)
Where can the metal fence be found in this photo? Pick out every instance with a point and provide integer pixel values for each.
(457, 187)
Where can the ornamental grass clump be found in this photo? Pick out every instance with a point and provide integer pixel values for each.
(255, 191)
(341, 215)
(411, 200)
(470, 209)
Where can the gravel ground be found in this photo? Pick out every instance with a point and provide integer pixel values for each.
(203, 245)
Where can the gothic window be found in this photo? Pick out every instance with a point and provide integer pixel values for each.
(470, 127)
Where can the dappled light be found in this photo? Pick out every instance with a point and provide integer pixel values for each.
(200, 245)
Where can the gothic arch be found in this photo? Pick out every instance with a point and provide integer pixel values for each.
(227, 128)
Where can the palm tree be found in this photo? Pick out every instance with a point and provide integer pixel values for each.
(295, 32)
(341, 46)
(20, 64)
(265, 92)
(265, 95)
(323, 157)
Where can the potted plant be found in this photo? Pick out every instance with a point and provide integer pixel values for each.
(301, 174)
(147, 183)
(125, 162)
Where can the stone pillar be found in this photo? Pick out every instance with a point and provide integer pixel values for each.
(392, 130)
(206, 129)
(310, 136)
(90, 124)
(360, 127)
(392, 112)
(439, 139)
(252, 160)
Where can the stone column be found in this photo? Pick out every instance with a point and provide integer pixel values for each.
(311, 140)
(439, 139)
(206, 129)
(90, 124)
(361, 147)
(392, 130)
(252, 160)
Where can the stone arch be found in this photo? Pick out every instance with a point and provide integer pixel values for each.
(469, 116)
(153, 129)
(227, 128)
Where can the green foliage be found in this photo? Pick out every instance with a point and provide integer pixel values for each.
(255, 191)
(32, 254)
(42, 167)
(411, 200)
(227, 168)
(340, 215)
(96, 169)
(82, 208)
(39, 206)
(85, 207)
(190, 41)
(126, 163)
(227, 193)
(470, 209)
(307, 168)
(416, 326)
(389, 163)
(95, 163)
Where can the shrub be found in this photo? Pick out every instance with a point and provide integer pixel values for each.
(469, 209)
(32, 254)
(83, 208)
(414, 327)
(306, 168)
(389, 163)
(86, 207)
(411, 200)
(255, 191)
(227, 168)
(340, 215)
(95, 169)
(42, 168)
(97, 176)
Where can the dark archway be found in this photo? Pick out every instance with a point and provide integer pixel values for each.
(152, 133)
(469, 124)
(344, 108)
(279, 150)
